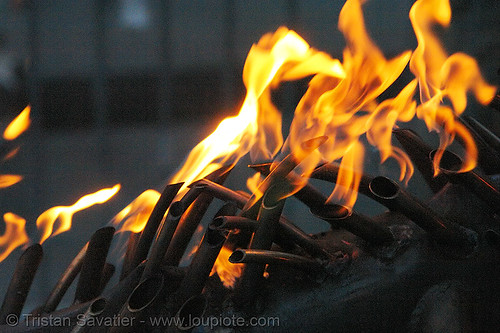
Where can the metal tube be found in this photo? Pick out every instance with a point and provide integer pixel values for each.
(419, 152)
(154, 221)
(201, 265)
(388, 193)
(277, 174)
(95, 308)
(245, 256)
(107, 273)
(220, 192)
(88, 286)
(127, 263)
(194, 307)
(234, 222)
(357, 224)
(329, 172)
(20, 283)
(483, 188)
(191, 219)
(64, 282)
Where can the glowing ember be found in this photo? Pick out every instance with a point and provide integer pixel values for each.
(64, 214)
(9, 180)
(14, 234)
(18, 125)
(134, 217)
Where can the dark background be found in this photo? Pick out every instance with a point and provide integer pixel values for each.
(121, 90)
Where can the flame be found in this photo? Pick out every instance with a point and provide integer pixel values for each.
(9, 180)
(283, 55)
(18, 125)
(227, 272)
(134, 217)
(45, 222)
(441, 77)
(14, 235)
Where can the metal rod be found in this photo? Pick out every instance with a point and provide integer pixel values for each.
(201, 265)
(220, 192)
(154, 221)
(64, 282)
(483, 188)
(88, 286)
(359, 225)
(419, 152)
(388, 193)
(245, 256)
(20, 283)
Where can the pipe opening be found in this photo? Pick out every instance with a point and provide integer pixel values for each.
(236, 257)
(176, 209)
(194, 307)
(217, 222)
(97, 306)
(275, 193)
(214, 237)
(450, 162)
(331, 211)
(145, 293)
(384, 187)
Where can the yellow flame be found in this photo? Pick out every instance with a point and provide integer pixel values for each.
(134, 217)
(441, 77)
(14, 235)
(18, 125)
(227, 272)
(45, 222)
(9, 180)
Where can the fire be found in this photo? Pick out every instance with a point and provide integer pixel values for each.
(9, 180)
(14, 235)
(227, 272)
(46, 221)
(442, 77)
(134, 217)
(18, 125)
(342, 103)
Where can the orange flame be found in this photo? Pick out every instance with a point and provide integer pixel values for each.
(14, 235)
(134, 217)
(227, 272)
(9, 180)
(18, 125)
(45, 222)
(341, 103)
(442, 77)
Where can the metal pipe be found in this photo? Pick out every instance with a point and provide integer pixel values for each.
(194, 307)
(64, 282)
(357, 224)
(329, 172)
(245, 256)
(106, 275)
(88, 286)
(268, 218)
(191, 219)
(128, 259)
(154, 221)
(483, 188)
(419, 152)
(20, 283)
(167, 230)
(201, 265)
(234, 222)
(96, 308)
(387, 192)
(220, 192)
(251, 208)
